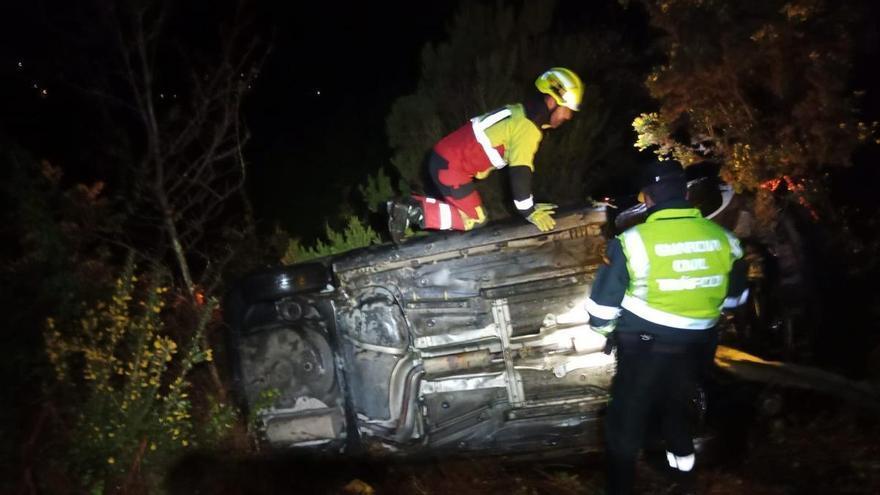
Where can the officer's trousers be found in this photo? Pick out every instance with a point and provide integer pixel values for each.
(654, 381)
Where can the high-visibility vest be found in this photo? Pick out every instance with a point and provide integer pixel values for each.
(483, 122)
(678, 265)
(490, 141)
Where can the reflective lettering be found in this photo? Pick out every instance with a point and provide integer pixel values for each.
(689, 283)
(689, 265)
(676, 248)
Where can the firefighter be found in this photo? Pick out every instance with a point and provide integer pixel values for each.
(658, 299)
(509, 135)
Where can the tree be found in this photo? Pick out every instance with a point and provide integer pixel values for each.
(192, 163)
(49, 260)
(760, 86)
(163, 100)
(492, 56)
(172, 97)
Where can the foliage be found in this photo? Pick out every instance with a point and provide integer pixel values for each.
(377, 191)
(133, 413)
(357, 232)
(166, 131)
(221, 418)
(170, 168)
(492, 56)
(191, 173)
(355, 235)
(265, 400)
(760, 86)
(52, 258)
(54, 229)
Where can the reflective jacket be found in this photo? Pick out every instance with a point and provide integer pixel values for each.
(492, 141)
(670, 276)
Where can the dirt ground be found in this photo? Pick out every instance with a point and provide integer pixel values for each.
(773, 442)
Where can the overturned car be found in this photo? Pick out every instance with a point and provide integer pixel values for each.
(469, 342)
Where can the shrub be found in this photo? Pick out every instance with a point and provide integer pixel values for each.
(131, 414)
(356, 234)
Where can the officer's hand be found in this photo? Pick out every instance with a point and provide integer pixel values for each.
(543, 219)
(546, 206)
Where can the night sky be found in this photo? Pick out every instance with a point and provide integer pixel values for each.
(316, 113)
(318, 116)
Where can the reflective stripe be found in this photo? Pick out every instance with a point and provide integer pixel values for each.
(430, 200)
(480, 127)
(733, 302)
(562, 76)
(684, 463)
(600, 311)
(568, 95)
(570, 99)
(525, 204)
(641, 309)
(445, 216)
(735, 248)
(637, 255)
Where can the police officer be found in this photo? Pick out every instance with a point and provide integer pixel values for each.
(662, 292)
(506, 136)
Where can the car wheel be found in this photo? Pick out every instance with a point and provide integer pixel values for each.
(286, 281)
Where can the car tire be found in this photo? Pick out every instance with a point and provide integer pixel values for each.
(285, 281)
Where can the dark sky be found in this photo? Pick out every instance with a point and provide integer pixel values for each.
(316, 114)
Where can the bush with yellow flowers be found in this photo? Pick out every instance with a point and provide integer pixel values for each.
(132, 413)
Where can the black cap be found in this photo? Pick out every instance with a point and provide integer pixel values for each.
(664, 181)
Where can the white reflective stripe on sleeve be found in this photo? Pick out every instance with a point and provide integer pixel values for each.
(734, 302)
(525, 204)
(430, 200)
(641, 309)
(600, 311)
(480, 127)
(735, 248)
(637, 256)
(445, 216)
(684, 463)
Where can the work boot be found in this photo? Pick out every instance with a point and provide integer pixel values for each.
(401, 216)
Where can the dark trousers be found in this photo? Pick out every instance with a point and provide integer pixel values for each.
(654, 381)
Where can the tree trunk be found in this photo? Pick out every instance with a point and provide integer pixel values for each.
(753, 368)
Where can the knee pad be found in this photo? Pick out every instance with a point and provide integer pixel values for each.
(474, 222)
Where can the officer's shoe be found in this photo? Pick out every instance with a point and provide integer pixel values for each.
(401, 216)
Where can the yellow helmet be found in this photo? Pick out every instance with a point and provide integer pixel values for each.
(563, 85)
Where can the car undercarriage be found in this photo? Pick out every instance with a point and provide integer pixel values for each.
(450, 342)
